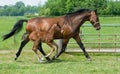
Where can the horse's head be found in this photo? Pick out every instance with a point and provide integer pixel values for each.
(94, 19)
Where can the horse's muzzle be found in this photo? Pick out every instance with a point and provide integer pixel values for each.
(98, 28)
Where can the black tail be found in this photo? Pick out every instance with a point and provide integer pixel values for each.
(17, 28)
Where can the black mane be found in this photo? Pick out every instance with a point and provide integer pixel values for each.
(79, 11)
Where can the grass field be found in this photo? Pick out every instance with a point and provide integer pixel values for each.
(68, 63)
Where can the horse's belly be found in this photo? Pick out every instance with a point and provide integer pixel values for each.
(58, 36)
(61, 36)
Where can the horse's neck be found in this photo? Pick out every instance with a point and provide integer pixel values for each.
(80, 19)
(77, 21)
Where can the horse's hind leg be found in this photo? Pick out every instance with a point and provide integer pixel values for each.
(41, 50)
(23, 43)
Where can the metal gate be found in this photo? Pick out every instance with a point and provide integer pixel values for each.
(105, 40)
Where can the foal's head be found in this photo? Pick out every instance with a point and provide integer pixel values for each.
(94, 19)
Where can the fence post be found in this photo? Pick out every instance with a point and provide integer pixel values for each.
(115, 41)
(99, 42)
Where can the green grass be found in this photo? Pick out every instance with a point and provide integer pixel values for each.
(110, 20)
(68, 63)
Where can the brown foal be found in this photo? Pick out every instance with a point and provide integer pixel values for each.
(47, 37)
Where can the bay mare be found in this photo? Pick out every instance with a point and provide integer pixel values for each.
(69, 25)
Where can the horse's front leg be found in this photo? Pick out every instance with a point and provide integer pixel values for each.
(64, 43)
(79, 42)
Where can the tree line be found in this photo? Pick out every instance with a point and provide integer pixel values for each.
(19, 9)
(61, 7)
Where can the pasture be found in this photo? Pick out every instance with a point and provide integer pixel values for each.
(67, 63)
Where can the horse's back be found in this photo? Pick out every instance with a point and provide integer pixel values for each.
(42, 23)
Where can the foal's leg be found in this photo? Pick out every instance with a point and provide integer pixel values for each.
(23, 43)
(79, 42)
(52, 44)
(41, 50)
(36, 43)
(64, 45)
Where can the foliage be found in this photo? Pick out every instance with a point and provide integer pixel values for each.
(53, 7)
(19, 9)
(60, 7)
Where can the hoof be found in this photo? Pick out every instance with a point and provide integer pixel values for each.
(48, 59)
(42, 62)
(45, 57)
(54, 58)
(15, 58)
(42, 59)
(89, 59)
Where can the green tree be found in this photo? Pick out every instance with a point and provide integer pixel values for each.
(19, 4)
(53, 8)
(20, 8)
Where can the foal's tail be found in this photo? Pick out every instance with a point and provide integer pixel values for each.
(16, 29)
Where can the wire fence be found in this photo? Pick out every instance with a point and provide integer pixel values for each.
(105, 40)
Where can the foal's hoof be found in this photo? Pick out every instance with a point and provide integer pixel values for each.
(42, 62)
(42, 59)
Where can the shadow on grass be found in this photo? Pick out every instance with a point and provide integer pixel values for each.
(75, 57)
(94, 54)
